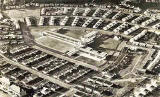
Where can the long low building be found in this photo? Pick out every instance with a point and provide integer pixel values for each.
(63, 38)
(79, 45)
(92, 54)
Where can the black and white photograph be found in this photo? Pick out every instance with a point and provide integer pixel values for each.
(79, 48)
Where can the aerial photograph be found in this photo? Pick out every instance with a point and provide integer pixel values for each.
(79, 48)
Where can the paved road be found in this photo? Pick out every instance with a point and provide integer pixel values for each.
(30, 39)
(41, 75)
(50, 51)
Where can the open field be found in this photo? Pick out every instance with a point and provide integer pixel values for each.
(54, 44)
(22, 13)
